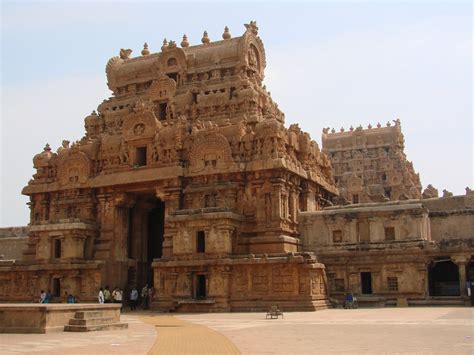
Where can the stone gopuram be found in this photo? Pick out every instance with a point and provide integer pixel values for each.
(186, 179)
(370, 164)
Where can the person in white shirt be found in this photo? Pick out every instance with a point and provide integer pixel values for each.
(42, 296)
(101, 296)
(117, 295)
(133, 299)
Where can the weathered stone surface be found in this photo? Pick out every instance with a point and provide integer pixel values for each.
(12, 242)
(45, 318)
(398, 244)
(370, 164)
(187, 179)
(186, 171)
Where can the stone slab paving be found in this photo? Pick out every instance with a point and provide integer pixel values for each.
(137, 339)
(360, 331)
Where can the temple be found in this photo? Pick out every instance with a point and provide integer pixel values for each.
(188, 179)
(370, 164)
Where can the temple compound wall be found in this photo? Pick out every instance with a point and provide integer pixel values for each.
(12, 242)
(421, 250)
(370, 164)
(186, 179)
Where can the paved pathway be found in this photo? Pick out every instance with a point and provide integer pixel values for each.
(176, 336)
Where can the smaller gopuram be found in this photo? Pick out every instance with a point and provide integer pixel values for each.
(370, 165)
(186, 179)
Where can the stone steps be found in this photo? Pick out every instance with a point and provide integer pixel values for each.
(91, 321)
(88, 314)
(86, 321)
(90, 328)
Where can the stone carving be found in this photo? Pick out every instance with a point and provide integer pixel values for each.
(140, 124)
(430, 192)
(209, 152)
(74, 167)
(447, 193)
(375, 155)
(192, 149)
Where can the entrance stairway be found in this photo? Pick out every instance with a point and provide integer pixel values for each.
(86, 321)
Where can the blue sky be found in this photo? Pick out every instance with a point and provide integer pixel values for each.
(329, 64)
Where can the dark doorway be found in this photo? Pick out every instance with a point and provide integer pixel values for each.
(200, 242)
(56, 287)
(155, 232)
(200, 286)
(366, 282)
(130, 232)
(57, 248)
(146, 227)
(141, 156)
(162, 111)
(156, 229)
(443, 276)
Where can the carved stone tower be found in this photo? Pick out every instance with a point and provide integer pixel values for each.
(370, 165)
(187, 179)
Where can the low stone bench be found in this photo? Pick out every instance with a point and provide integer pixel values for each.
(45, 318)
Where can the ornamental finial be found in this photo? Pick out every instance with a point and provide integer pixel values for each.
(145, 50)
(184, 42)
(226, 34)
(205, 38)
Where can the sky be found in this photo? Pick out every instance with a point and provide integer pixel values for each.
(329, 64)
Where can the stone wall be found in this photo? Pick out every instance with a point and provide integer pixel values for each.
(451, 218)
(12, 242)
(251, 283)
(396, 245)
(343, 227)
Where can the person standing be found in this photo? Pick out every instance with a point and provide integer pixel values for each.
(107, 295)
(117, 295)
(70, 299)
(133, 299)
(42, 297)
(101, 296)
(48, 297)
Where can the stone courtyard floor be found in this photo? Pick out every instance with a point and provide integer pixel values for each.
(441, 330)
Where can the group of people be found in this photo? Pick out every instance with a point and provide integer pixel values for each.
(47, 297)
(105, 296)
(144, 298)
(136, 299)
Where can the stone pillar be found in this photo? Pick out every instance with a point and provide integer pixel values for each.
(461, 262)
(171, 197)
(122, 205)
(106, 219)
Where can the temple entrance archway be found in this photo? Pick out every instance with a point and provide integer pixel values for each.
(443, 276)
(145, 237)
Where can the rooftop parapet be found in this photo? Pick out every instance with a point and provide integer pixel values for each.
(245, 51)
(389, 127)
